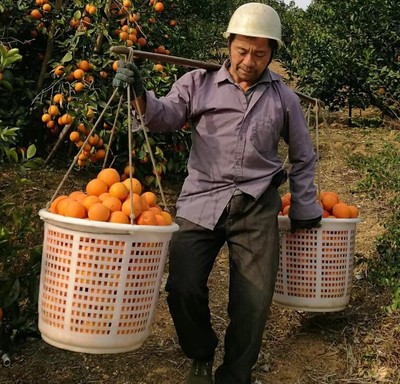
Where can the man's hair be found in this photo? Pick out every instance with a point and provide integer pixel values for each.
(273, 44)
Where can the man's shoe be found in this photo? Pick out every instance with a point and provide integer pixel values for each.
(200, 372)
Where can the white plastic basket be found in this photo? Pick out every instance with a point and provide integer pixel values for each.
(316, 266)
(99, 283)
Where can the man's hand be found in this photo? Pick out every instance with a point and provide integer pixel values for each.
(304, 224)
(128, 75)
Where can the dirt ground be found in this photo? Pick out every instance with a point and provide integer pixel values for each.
(360, 344)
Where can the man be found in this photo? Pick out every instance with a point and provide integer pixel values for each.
(238, 115)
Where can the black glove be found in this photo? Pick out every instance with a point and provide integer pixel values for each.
(304, 224)
(128, 75)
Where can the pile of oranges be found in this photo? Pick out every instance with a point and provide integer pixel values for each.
(109, 199)
(330, 201)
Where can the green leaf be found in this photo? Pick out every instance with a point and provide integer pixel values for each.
(31, 151)
(9, 292)
(68, 57)
(5, 84)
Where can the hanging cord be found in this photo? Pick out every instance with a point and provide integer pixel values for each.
(317, 147)
(114, 127)
(81, 149)
(143, 127)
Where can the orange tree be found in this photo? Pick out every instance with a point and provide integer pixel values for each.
(348, 53)
(67, 70)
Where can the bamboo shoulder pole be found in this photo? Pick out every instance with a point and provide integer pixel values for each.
(190, 63)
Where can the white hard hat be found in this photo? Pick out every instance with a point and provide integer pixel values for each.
(255, 20)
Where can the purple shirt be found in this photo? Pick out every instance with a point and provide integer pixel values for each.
(235, 141)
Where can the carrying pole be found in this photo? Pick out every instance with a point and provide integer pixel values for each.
(190, 63)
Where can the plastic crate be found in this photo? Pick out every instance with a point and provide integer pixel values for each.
(99, 283)
(316, 266)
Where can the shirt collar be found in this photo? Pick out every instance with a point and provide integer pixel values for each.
(223, 74)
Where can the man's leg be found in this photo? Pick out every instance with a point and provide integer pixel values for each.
(253, 240)
(192, 253)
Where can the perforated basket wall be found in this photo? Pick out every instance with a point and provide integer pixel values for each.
(99, 283)
(316, 266)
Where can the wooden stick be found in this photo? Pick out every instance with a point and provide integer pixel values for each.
(190, 63)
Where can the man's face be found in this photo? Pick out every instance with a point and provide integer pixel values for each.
(249, 57)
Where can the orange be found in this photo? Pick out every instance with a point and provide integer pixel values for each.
(325, 213)
(96, 187)
(75, 209)
(46, 117)
(79, 86)
(136, 185)
(98, 212)
(62, 205)
(66, 119)
(51, 124)
(112, 203)
(145, 204)
(54, 203)
(142, 41)
(167, 217)
(100, 154)
(109, 176)
(79, 74)
(123, 36)
(91, 9)
(158, 67)
(127, 170)
(285, 211)
(84, 65)
(46, 8)
(94, 139)
(104, 196)
(285, 202)
(159, 6)
(77, 195)
(58, 98)
(118, 217)
(74, 136)
(147, 218)
(115, 65)
(156, 209)
(100, 143)
(341, 210)
(353, 211)
(118, 190)
(53, 110)
(329, 200)
(35, 14)
(59, 70)
(150, 198)
(137, 205)
(160, 220)
(88, 201)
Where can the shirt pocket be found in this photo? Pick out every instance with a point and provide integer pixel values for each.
(265, 136)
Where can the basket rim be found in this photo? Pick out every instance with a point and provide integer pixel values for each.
(105, 227)
(286, 219)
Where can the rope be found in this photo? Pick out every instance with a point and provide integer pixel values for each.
(143, 127)
(81, 149)
(317, 149)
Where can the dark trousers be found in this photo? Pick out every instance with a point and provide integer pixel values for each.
(250, 230)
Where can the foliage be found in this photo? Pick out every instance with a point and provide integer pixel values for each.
(354, 62)
(20, 266)
(386, 270)
(382, 180)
